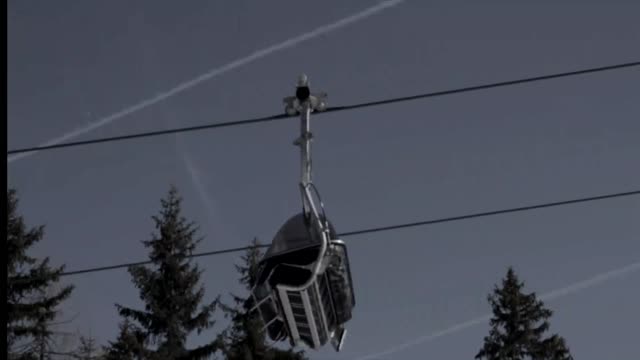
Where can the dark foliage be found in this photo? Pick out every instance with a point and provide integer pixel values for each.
(31, 307)
(518, 326)
(87, 350)
(171, 294)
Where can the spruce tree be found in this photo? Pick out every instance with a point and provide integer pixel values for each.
(30, 308)
(518, 326)
(170, 292)
(129, 344)
(244, 339)
(87, 349)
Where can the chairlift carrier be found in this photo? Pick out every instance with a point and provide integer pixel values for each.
(304, 291)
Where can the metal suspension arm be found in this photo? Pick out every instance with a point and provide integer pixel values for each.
(304, 142)
(305, 103)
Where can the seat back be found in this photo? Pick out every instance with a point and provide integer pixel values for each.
(306, 314)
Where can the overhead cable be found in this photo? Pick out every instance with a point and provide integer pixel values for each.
(383, 228)
(328, 110)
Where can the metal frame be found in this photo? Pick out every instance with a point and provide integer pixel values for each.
(286, 307)
(315, 102)
(304, 107)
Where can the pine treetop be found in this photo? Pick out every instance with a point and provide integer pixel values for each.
(169, 288)
(518, 325)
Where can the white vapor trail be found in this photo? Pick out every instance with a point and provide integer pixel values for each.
(216, 72)
(567, 290)
(211, 210)
(194, 174)
(196, 179)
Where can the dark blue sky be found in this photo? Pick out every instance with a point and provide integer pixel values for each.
(71, 63)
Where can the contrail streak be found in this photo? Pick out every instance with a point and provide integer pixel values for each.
(194, 174)
(567, 290)
(213, 216)
(216, 72)
(196, 180)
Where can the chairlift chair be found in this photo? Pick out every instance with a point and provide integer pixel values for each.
(303, 291)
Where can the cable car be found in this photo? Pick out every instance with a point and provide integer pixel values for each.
(303, 291)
